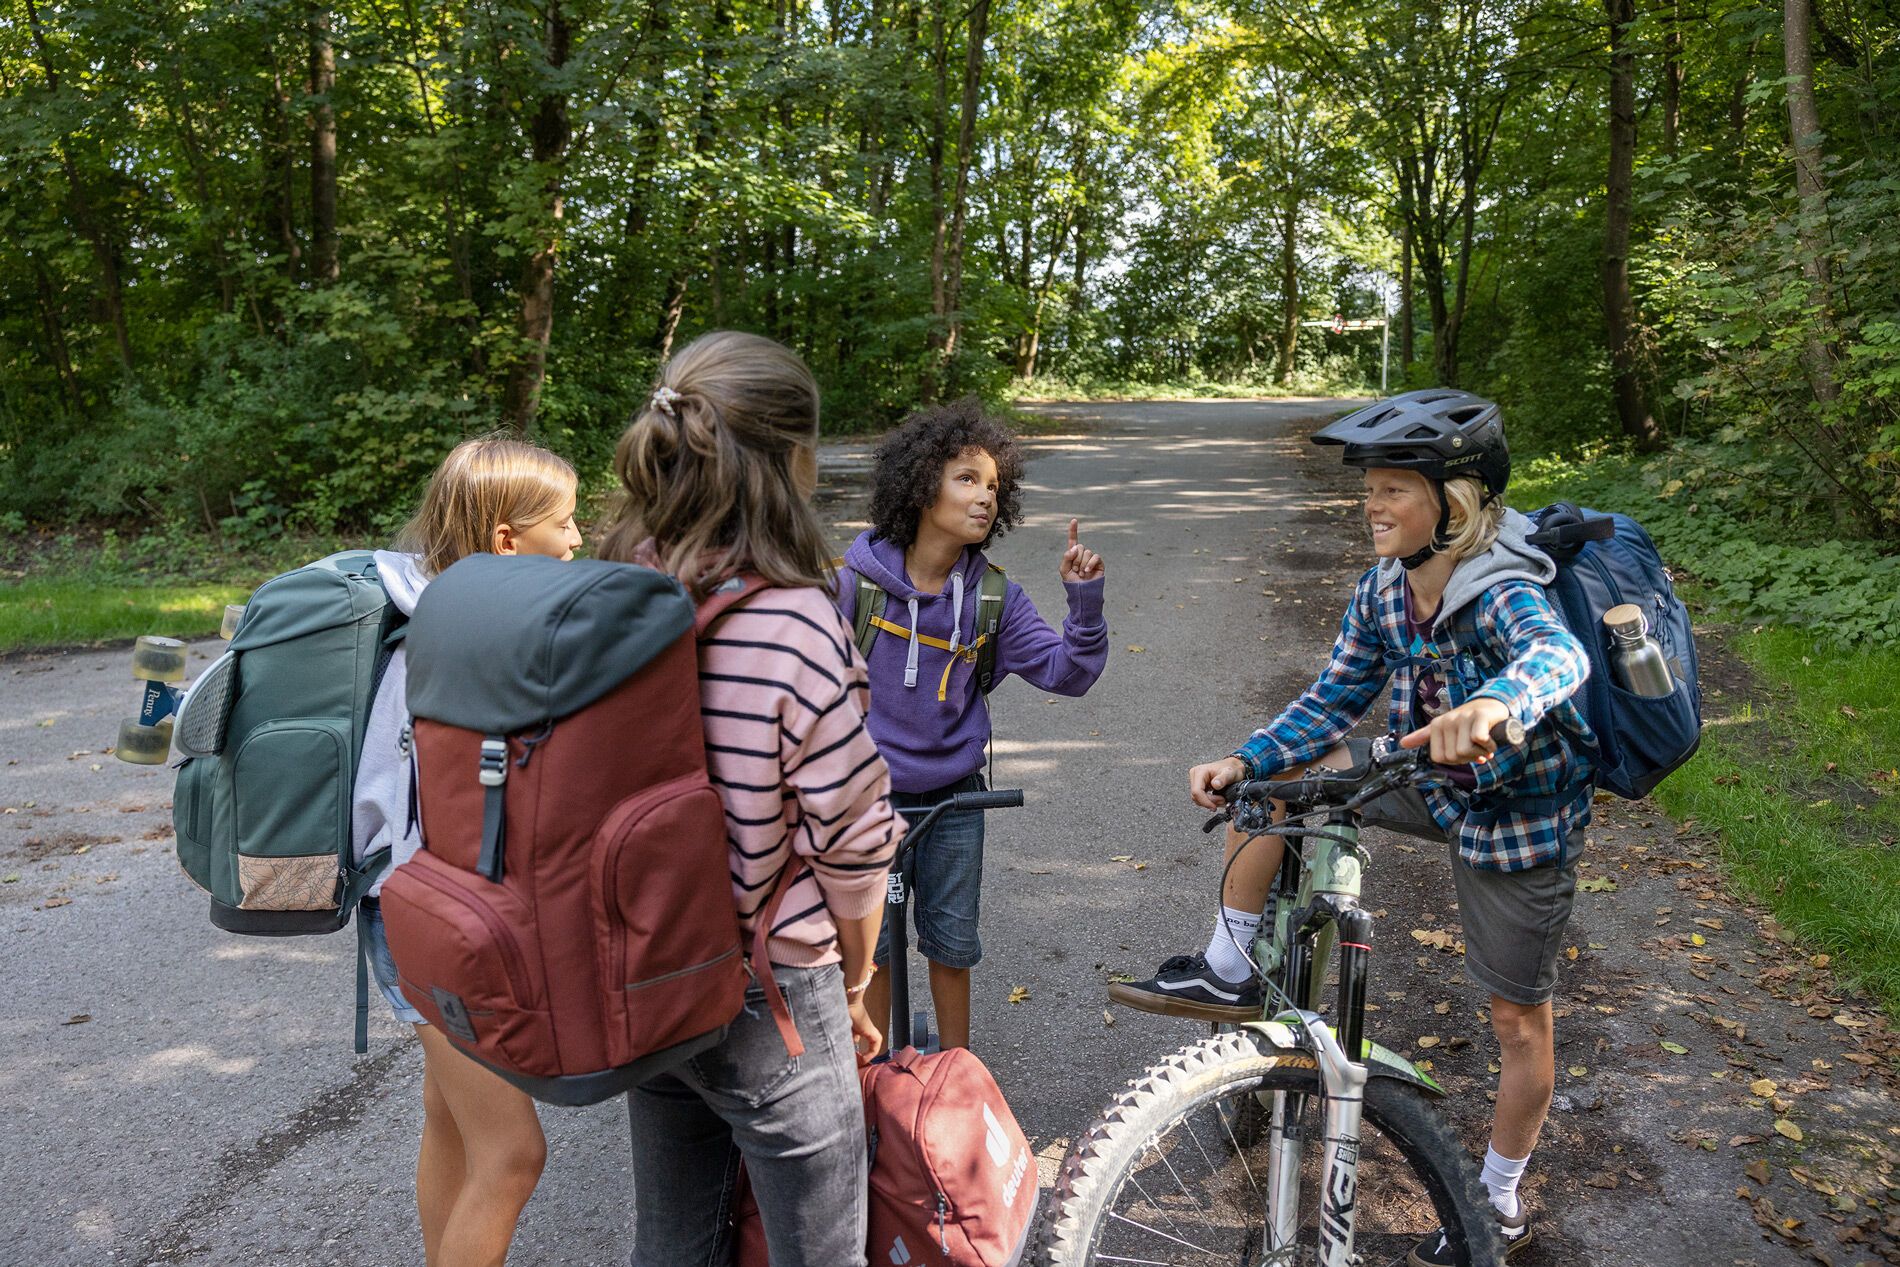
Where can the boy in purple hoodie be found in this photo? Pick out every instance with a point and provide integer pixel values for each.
(944, 485)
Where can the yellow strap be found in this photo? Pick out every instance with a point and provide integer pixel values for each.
(967, 652)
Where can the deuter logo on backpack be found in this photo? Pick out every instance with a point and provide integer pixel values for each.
(997, 1141)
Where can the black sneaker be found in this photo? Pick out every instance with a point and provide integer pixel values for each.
(1186, 986)
(1435, 1250)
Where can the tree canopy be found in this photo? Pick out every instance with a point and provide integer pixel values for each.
(263, 261)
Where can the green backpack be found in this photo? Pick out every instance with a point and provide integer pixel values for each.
(272, 734)
(869, 620)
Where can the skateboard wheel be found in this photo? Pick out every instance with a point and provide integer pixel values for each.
(158, 659)
(144, 745)
(233, 612)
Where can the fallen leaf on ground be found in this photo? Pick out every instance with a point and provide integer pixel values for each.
(1757, 1170)
(51, 902)
(1763, 1086)
(1716, 924)
(1429, 1040)
(1441, 1008)
(1852, 1022)
(1019, 995)
(1698, 939)
(1108, 1017)
(1570, 952)
(81, 1019)
(1577, 1071)
(1676, 1048)
(1788, 1130)
(1123, 976)
(1406, 848)
(1597, 884)
(1137, 648)
(1605, 1180)
(1742, 1141)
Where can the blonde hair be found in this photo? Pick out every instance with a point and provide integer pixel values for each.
(1473, 523)
(706, 467)
(480, 485)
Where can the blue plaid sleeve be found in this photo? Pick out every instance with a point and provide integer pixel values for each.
(1547, 664)
(1336, 701)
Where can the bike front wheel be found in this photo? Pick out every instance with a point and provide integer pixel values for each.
(1162, 1177)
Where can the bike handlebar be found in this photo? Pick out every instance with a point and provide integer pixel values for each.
(1005, 799)
(1389, 766)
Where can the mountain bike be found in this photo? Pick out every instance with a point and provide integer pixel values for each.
(1205, 1159)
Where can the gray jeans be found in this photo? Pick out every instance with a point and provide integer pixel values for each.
(798, 1122)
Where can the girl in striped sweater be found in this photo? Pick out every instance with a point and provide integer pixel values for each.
(718, 472)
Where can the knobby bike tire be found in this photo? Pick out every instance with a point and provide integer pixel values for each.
(1161, 1178)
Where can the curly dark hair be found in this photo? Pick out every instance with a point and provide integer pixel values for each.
(908, 469)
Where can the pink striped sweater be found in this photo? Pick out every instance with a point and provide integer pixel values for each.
(783, 693)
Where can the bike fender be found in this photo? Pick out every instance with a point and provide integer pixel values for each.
(1381, 1062)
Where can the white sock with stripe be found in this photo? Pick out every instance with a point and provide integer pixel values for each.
(1225, 958)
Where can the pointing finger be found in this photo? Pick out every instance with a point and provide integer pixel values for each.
(1074, 524)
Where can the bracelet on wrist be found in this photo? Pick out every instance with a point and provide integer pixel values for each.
(853, 991)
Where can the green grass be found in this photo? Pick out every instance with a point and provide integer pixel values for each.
(55, 612)
(1801, 787)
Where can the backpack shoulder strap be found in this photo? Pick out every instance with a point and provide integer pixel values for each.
(870, 606)
(989, 621)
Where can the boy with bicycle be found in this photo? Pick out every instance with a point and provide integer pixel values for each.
(1455, 615)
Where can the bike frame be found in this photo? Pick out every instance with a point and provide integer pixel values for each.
(1318, 901)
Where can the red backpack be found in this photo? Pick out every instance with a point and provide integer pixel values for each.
(953, 1183)
(569, 920)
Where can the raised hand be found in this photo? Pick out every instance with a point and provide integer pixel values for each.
(1078, 562)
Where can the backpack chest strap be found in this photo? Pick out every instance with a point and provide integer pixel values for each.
(968, 652)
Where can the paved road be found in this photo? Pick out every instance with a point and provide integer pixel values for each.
(174, 1094)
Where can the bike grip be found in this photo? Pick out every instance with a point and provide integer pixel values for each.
(1006, 799)
(1508, 733)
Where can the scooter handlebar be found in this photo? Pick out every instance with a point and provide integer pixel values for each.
(1005, 799)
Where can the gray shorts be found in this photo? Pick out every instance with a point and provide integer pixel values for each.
(1514, 920)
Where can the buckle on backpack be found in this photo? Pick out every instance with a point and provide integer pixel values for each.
(494, 764)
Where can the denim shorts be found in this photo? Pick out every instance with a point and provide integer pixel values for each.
(1514, 921)
(381, 965)
(947, 876)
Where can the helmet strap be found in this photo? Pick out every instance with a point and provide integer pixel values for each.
(1440, 537)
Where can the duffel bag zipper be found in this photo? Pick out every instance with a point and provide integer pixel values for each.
(516, 966)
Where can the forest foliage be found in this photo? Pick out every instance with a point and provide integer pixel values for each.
(263, 261)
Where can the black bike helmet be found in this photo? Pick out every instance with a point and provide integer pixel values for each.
(1441, 433)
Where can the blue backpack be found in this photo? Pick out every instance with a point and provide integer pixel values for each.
(1603, 561)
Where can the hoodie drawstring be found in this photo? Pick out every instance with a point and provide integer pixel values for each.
(910, 664)
(956, 612)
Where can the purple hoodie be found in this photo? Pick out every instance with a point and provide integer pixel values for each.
(930, 744)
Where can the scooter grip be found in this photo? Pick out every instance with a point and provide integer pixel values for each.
(1005, 799)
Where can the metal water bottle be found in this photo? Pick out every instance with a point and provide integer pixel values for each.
(1636, 659)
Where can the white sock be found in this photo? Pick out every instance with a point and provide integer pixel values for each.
(1500, 1176)
(1225, 958)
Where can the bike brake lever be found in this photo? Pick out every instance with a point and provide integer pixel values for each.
(1220, 817)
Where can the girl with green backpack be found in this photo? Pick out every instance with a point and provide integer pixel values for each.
(482, 1147)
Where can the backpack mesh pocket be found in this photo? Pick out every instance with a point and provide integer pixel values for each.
(206, 709)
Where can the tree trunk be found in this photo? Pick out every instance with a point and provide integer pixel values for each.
(1406, 323)
(939, 221)
(966, 157)
(56, 336)
(1289, 293)
(1625, 383)
(111, 290)
(323, 260)
(705, 133)
(549, 134)
(1804, 125)
(280, 195)
(1672, 76)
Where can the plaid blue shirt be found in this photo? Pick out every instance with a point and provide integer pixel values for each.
(1508, 644)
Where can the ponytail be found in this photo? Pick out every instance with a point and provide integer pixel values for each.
(706, 467)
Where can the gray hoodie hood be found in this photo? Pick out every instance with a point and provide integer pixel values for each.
(402, 578)
(1510, 558)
